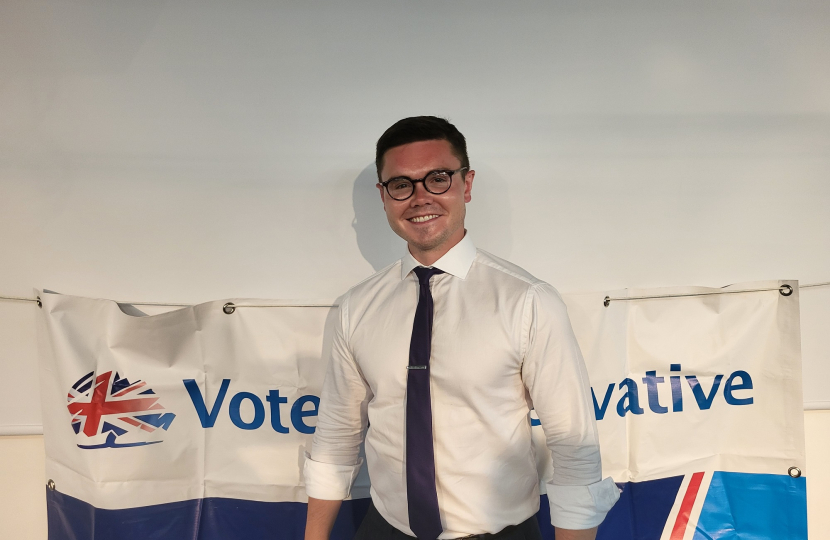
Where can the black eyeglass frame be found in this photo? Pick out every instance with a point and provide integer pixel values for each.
(423, 181)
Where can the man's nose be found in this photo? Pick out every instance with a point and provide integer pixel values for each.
(421, 195)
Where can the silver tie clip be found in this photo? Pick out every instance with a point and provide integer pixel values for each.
(416, 367)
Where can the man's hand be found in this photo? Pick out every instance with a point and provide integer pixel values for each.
(320, 519)
(570, 534)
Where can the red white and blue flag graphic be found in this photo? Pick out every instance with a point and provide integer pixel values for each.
(107, 407)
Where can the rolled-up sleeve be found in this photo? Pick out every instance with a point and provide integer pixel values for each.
(557, 381)
(332, 466)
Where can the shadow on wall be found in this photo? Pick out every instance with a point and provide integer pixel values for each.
(490, 215)
(489, 218)
(375, 239)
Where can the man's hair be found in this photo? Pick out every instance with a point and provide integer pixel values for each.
(421, 128)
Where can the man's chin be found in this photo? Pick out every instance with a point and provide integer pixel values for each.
(428, 244)
(422, 237)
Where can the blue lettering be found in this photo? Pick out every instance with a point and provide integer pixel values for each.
(728, 388)
(259, 411)
(599, 412)
(275, 400)
(651, 381)
(629, 401)
(534, 421)
(297, 413)
(676, 390)
(207, 419)
(703, 401)
(633, 397)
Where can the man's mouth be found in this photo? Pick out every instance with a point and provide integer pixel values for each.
(422, 219)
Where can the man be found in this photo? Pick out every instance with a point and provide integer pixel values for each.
(442, 355)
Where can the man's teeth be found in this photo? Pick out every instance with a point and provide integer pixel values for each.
(421, 219)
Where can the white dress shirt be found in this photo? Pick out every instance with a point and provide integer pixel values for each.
(501, 344)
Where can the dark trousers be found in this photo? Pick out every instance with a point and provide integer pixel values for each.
(374, 527)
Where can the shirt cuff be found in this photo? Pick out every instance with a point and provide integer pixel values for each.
(581, 507)
(329, 481)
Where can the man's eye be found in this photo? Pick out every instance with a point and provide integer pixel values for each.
(402, 184)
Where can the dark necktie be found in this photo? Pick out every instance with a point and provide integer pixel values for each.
(424, 519)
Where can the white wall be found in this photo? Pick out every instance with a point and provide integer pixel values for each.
(22, 488)
(185, 151)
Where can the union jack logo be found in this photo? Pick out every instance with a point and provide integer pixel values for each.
(106, 407)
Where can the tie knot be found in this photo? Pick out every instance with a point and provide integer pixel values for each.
(425, 273)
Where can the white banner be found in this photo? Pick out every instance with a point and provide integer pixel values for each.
(695, 397)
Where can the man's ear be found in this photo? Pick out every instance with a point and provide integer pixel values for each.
(468, 185)
(382, 194)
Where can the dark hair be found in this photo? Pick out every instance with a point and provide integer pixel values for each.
(421, 128)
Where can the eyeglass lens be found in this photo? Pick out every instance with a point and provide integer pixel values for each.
(436, 183)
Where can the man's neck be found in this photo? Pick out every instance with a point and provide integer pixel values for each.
(428, 257)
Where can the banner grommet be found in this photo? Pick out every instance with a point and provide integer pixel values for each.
(794, 472)
(229, 308)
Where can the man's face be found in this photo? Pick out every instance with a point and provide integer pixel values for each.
(429, 223)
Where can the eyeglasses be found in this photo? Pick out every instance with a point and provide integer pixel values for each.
(436, 182)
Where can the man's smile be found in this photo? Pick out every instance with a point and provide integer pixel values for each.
(423, 219)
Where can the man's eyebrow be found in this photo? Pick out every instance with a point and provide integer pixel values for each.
(441, 169)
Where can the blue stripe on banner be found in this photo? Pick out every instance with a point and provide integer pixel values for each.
(754, 507)
(642, 511)
(737, 505)
(640, 514)
(199, 519)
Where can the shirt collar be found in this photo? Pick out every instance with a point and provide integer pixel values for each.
(457, 261)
